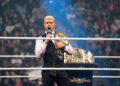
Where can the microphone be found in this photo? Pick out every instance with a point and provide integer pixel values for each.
(49, 30)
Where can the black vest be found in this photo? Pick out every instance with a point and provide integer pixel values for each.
(51, 57)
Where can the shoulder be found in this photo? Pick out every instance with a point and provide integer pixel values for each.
(61, 34)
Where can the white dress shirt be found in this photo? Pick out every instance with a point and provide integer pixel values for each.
(40, 47)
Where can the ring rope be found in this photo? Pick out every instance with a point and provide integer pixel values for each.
(97, 69)
(31, 56)
(107, 57)
(32, 38)
(41, 38)
(106, 76)
(40, 76)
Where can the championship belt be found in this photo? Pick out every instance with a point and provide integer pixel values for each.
(76, 57)
(53, 72)
(59, 52)
(79, 56)
(61, 35)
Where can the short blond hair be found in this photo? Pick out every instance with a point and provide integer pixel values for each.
(49, 17)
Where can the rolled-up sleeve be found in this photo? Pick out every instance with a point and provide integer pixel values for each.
(69, 49)
(40, 48)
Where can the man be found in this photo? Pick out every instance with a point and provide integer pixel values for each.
(52, 52)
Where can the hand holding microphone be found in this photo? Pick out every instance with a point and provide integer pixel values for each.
(49, 31)
(49, 34)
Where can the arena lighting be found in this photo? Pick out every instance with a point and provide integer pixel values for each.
(51, 1)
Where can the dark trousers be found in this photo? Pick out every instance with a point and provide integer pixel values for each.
(61, 78)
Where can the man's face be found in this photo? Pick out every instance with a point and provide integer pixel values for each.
(49, 23)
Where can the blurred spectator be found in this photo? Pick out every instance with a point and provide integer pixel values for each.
(18, 82)
(16, 62)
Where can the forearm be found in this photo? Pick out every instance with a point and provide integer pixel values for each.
(40, 48)
(68, 49)
(65, 45)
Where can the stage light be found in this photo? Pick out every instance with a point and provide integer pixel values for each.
(51, 1)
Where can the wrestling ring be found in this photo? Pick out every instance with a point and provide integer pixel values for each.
(36, 68)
